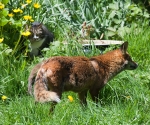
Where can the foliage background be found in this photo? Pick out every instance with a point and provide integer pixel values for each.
(125, 100)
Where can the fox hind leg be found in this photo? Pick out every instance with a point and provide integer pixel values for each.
(52, 107)
(54, 103)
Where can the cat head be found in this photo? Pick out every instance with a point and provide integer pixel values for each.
(36, 31)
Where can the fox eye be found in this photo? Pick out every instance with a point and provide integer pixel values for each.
(127, 57)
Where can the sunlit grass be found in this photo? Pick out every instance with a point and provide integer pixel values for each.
(116, 108)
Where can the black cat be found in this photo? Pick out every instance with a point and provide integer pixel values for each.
(40, 38)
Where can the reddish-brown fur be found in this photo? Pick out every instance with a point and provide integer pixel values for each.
(79, 74)
(32, 75)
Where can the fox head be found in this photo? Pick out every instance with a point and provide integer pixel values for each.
(129, 64)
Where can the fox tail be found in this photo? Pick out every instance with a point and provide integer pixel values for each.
(41, 92)
(31, 80)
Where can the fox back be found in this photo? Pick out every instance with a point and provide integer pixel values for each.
(80, 74)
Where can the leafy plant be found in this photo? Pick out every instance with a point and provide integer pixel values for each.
(13, 77)
(80, 19)
(15, 16)
(109, 18)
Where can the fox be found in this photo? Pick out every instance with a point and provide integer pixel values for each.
(79, 74)
(32, 75)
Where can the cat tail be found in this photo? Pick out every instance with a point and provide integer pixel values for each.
(41, 93)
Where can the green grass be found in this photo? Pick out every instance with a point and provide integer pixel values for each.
(123, 101)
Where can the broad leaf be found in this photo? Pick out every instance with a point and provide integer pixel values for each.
(3, 21)
(18, 23)
(112, 14)
(3, 12)
(5, 1)
(114, 6)
(123, 30)
(111, 31)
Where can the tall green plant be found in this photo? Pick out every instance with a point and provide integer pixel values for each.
(139, 45)
(82, 19)
(14, 74)
(15, 16)
(113, 18)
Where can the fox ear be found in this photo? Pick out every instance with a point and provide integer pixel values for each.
(124, 47)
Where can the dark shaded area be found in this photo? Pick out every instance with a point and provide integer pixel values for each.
(144, 3)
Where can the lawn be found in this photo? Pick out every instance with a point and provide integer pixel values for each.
(124, 100)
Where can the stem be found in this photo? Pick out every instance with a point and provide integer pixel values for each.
(16, 44)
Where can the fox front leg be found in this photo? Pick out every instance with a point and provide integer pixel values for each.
(82, 97)
(94, 94)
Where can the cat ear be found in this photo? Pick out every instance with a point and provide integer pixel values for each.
(124, 47)
(27, 27)
(40, 25)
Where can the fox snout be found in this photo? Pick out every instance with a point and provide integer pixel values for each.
(131, 65)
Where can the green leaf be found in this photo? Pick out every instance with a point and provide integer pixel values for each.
(114, 6)
(5, 1)
(111, 31)
(132, 6)
(123, 30)
(127, 4)
(3, 21)
(4, 13)
(112, 14)
(18, 23)
(116, 21)
(146, 15)
(12, 20)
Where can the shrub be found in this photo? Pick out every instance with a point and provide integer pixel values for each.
(109, 19)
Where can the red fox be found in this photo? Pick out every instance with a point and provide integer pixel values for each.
(31, 78)
(79, 74)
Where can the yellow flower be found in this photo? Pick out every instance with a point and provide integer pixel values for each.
(28, 1)
(21, 11)
(17, 10)
(27, 17)
(26, 33)
(37, 5)
(10, 14)
(1, 40)
(2, 6)
(4, 97)
(31, 20)
(70, 98)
